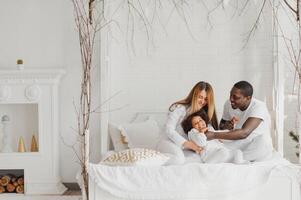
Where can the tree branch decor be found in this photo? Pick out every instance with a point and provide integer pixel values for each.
(87, 29)
(90, 18)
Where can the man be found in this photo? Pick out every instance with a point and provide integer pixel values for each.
(248, 120)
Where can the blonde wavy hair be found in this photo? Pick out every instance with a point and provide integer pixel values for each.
(191, 101)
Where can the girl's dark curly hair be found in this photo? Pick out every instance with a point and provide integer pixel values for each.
(187, 123)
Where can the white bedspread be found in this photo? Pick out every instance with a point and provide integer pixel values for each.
(189, 181)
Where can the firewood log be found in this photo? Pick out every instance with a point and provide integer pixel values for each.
(2, 189)
(20, 189)
(20, 180)
(10, 187)
(15, 183)
(4, 180)
(13, 179)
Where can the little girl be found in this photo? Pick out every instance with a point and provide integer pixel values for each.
(195, 125)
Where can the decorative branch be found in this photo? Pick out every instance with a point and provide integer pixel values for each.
(255, 25)
(87, 29)
(290, 7)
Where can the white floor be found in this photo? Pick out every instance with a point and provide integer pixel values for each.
(37, 197)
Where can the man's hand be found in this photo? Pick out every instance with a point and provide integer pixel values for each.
(228, 125)
(247, 128)
(210, 135)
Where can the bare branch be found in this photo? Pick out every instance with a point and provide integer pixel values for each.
(255, 25)
(106, 101)
(244, 7)
(130, 20)
(219, 4)
(290, 7)
(113, 110)
(181, 13)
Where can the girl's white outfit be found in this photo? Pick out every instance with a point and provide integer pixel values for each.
(173, 136)
(215, 151)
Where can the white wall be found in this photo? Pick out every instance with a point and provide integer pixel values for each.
(153, 79)
(31, 30)
(43, 34)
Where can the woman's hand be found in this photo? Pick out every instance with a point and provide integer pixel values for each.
(192, 146)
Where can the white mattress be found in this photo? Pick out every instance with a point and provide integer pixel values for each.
(197, 181)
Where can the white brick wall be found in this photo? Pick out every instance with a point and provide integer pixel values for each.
(152, 81)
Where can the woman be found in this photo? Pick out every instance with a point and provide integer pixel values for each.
(200, 97)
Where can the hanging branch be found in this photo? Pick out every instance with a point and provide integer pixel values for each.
(290, 7)
(293, 49)
(219, 4)
(255, 25)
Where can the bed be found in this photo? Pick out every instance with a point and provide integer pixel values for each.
(275, 179)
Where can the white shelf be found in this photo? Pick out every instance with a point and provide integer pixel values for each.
(20, 154)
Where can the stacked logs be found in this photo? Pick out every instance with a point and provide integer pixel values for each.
(11, 183)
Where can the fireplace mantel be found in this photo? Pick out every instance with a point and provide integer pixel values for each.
(38, 87)
(31, 75)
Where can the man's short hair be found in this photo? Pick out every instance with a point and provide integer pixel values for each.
(245, 88)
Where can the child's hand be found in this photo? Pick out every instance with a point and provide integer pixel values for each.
(234, 120)
(230, 125)
(204, 130)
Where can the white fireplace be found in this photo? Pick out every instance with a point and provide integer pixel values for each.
(29, 98)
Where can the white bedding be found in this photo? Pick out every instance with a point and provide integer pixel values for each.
(188, 181)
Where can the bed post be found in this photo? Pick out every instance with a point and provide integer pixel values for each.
(278, 88)
(105, 77)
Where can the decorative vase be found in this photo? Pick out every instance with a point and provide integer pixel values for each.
(21, 146)
(6, 140)
(34, 145)
(20, 64)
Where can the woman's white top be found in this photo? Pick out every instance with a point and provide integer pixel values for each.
(173, 128)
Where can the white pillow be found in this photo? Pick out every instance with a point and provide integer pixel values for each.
(116, 138)
(141, 135)
(137, 156)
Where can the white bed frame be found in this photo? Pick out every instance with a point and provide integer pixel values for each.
(278, 187)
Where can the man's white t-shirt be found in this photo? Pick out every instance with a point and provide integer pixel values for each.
(256, 109)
